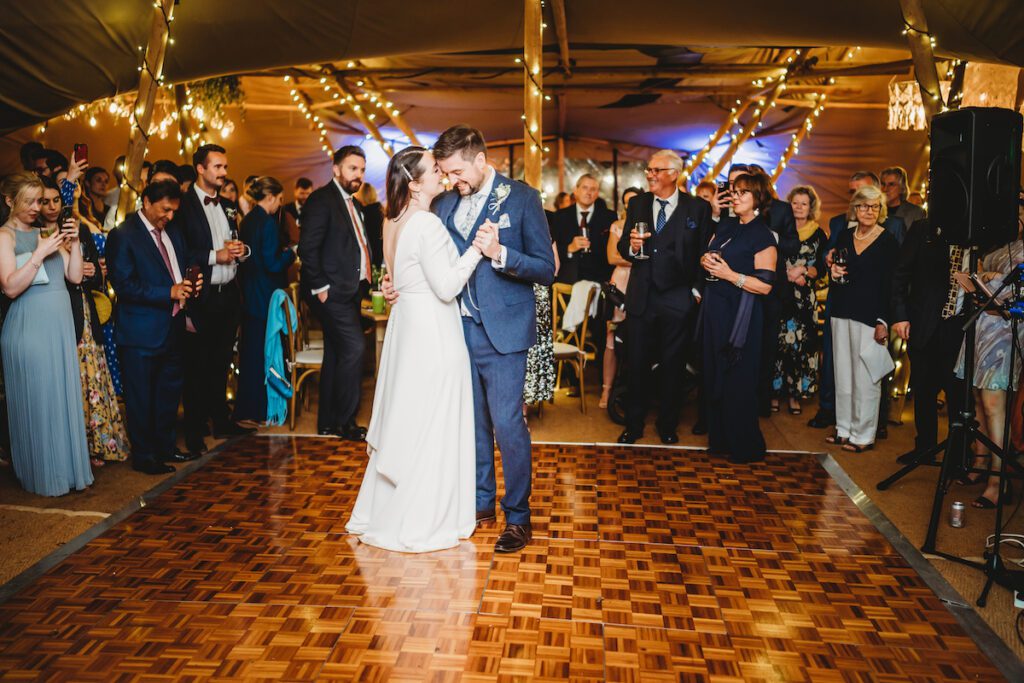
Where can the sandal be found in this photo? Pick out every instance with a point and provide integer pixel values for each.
(606, 390)
(856, 448)
(983, 503)
(775, 406)
(836, 439)
(795, 411)
(97, 462)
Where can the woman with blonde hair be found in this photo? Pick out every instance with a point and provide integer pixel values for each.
(796, 365)
(44, 391)
(862, 269)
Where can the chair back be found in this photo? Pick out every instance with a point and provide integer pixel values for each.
(302, 329)
(291, 344)
(561, 293)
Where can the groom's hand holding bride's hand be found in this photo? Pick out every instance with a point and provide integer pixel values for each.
(390, 293)
(486, 240)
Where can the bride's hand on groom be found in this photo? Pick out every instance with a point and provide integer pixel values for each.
(486, 240)
(390, 293)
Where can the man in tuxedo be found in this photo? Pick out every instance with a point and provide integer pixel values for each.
(826, 415)
(335, 276)
(499, 316)
(663, 292)
(146, 258)
(207, 221)
(583, 257)
(292, 212)
(926, 308)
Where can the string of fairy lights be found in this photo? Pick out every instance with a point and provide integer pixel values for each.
(537, 91)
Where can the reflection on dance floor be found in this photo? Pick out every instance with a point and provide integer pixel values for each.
(648, 563)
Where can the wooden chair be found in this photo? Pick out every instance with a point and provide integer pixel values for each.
(302, 363)
(302, 311)
(571, 347)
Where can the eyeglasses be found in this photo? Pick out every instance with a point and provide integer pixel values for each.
(740, 192)
(650, 170)
(869, 207)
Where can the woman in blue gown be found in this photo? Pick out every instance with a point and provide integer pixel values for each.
(741, 268)
(265, 270)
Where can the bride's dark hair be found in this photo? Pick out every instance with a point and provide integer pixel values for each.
(403, 168)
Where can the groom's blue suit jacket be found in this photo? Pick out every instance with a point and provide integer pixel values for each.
(505, 299)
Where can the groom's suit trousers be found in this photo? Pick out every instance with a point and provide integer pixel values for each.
(498, 380)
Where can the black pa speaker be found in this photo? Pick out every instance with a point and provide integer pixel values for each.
(974, 175)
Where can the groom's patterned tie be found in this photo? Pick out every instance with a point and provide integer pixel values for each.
(470, 218)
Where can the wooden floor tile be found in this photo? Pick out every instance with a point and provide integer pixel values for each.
(647, 565)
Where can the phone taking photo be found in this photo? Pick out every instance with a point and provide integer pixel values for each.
(81, 152)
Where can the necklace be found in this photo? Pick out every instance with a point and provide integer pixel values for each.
(868, 236)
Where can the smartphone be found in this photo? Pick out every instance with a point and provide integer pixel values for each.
(192, 274)
(81, 152)
(64, 216)
(723, 186)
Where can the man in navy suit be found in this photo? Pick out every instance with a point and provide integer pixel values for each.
(146, 260)
(499, 316)
(664, 290)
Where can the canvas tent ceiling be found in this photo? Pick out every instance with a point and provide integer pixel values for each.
(263, 39)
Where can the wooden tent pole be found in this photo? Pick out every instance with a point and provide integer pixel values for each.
(150, 75)
(763, 105)
(562, 33)
(397, 117)
(533, 94)
(695, 161)
(921, 43)
(360, 113)
(615, 178)
(184, 127)
(561, 164)
(798, 137)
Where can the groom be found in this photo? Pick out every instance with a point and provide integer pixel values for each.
(498, 316)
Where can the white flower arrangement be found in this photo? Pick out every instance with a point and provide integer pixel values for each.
(500, 194)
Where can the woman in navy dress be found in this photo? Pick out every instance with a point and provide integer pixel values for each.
(741, 268)
(265, 270)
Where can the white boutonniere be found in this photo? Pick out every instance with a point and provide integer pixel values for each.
(500, 194)
(230, 212)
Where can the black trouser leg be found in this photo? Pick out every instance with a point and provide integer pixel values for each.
(769, 352)
(341, 374)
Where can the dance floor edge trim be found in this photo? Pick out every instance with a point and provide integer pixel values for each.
(990, 644)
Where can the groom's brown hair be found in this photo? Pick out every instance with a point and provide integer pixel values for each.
(461, 139)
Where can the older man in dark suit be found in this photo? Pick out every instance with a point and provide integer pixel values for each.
(664, 289)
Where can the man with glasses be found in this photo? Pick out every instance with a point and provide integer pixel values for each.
(894, 185)
(663, 292)
(826, 415)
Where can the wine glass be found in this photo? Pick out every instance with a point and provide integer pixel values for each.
(842, 259)
(585, 234)
(641, 230)
(718, 254)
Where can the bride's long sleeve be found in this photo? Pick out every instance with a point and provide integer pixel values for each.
(446, 274)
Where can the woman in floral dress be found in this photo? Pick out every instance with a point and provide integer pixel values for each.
(796, 366)
(540, 359)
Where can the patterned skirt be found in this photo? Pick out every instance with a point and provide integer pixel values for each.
(104, 425)
(540, 359)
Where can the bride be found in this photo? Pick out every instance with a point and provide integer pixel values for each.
(419, 490)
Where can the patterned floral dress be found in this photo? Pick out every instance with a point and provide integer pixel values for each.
(540, 359)
(104, 424)
(796, 366)
(108, 330)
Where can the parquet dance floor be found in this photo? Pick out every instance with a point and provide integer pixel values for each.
(648, 564)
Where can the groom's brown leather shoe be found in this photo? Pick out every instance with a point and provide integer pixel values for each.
(485, 516)
(514, 538)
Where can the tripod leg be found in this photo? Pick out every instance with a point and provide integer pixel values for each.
(924, 458)
(957, 443)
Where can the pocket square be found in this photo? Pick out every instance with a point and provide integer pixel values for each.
(690, 223)
(504, 222)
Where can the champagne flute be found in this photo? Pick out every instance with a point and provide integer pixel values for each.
(642, 230)
(717, 253)
(585, 234)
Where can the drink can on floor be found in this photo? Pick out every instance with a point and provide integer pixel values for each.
(956, 515)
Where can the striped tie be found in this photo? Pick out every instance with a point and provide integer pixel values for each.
(662, 216)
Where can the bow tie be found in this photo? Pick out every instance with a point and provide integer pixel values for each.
(215, 200)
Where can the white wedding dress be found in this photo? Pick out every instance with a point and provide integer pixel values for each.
(419, 490)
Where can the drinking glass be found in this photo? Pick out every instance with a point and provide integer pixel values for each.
(713, 252)
(641, 229)
(842, 259)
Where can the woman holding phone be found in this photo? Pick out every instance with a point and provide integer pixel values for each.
(49, 449)
(105, 430)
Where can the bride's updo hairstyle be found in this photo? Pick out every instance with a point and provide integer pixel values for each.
(403, 168)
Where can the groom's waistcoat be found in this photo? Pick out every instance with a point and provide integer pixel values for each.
(503, 301)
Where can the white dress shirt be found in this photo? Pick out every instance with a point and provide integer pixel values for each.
(220, 232)
(161, 236)
(579, 219)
